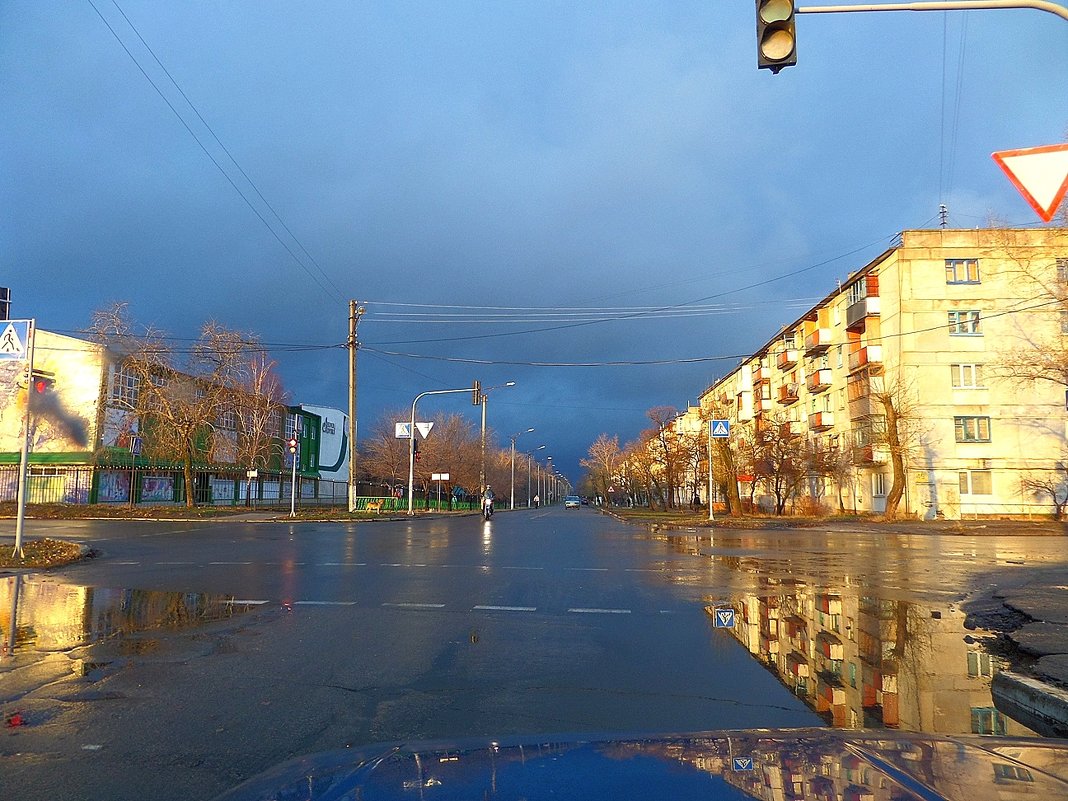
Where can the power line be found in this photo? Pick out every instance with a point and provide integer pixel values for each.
(208, 153)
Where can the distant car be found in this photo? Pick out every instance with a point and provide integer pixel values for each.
(572, 502)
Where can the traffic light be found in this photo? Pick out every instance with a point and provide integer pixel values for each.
(476, 393)
(415, 449)
(293, 444)
(776, 35)
(42, 384)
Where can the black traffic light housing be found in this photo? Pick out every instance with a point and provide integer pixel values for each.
(476, 393)
(415, 448)
(293, 443)
(776, 34)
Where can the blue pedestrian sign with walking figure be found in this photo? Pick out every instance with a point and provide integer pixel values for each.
(742, 763)
(723, 617)
(720, 428)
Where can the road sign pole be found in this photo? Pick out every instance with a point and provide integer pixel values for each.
(711, 515)
(24, 458)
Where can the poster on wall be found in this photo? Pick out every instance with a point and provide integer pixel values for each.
(157, 488)
(114, 486)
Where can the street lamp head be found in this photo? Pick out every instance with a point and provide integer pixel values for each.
(510, 384)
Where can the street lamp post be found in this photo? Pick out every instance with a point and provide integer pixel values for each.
(514, 438)
(530, 456)
(482, 476)
(411, 441)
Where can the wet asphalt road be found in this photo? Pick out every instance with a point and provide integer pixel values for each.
(346, 634)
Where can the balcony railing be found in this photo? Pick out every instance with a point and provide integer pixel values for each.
(821, 421)
(759, 375)
(787, 359)
(870, 356)
(817, 341)
(819, 380)
(869, 454)
(788, 393)
(858, 312)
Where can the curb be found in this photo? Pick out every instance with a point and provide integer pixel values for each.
(1040, 706)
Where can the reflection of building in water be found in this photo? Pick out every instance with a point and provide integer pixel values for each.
(55, 617)
(862, 662)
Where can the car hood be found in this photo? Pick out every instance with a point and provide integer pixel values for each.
(763, 764)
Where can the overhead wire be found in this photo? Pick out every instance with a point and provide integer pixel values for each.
(332, 289)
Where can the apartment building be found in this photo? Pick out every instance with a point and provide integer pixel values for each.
(939, 327)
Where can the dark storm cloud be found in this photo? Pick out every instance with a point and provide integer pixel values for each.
(520, 154)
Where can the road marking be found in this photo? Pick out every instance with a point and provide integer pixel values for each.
(601, 611)
(229, 563)
(324, 603)
(238, 602)
(344, 564)
(516, 567)
(487, 608)
(595, 569)
(125, 563)
(174, 563)
(416, 606)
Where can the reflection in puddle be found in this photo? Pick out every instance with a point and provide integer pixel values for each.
(42, 615)
(862, 661)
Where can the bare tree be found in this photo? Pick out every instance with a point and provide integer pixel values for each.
(898, 430)
(665, 450)
(603, 463)
(783, 456)
(176, 399)
(1053, 483)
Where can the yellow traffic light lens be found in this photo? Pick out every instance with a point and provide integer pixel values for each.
(776, 11)
(777, 45)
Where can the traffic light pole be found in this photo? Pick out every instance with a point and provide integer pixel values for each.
(939, 5)
(24, 458)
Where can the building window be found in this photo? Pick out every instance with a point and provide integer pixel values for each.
(1062, 271)
(987, 720)
(964, 323)
(228, 420)
(856, 292)
(972, 429)
(962, 271)
(976, 482)
(878, 485)
(125, 387)
(1012, 773)
(980, 665)
(966, 376)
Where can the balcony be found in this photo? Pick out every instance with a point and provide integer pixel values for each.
(759, 375)
(869, 455)
(870, 356)
(821, 421)
(792, 428)
(858, 313)
(787, 359)
(788, 394)
(819, 380)
(817, 341)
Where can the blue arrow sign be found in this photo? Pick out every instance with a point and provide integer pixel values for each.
(723, 617)
(742, 763)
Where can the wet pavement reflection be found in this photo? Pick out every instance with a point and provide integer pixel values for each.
(40, 615)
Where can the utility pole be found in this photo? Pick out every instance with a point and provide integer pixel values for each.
(355, 313)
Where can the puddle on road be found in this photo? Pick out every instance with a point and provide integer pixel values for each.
(863, 661)
(41, 615)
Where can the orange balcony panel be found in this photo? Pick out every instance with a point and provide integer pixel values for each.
(817, 341)
(870, 356)
(819, 380)
(821, 421)
(787, 359)
(788, 394)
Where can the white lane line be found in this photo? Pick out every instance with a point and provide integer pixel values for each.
(229, 563)
(174, 563)
(343, 564)
(240, 602)
(391, 564)
(488, 608)
(517, 567)
(324, 603)
(601, 611)
(644, 570)
(594, 569)
(125, 563)
(416, 606)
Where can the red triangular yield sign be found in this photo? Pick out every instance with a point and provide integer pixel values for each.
(1040, 173)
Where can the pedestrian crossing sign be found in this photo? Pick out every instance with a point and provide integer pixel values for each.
(723, 617)
(742, 763)
(14, 340)
(720, 428)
